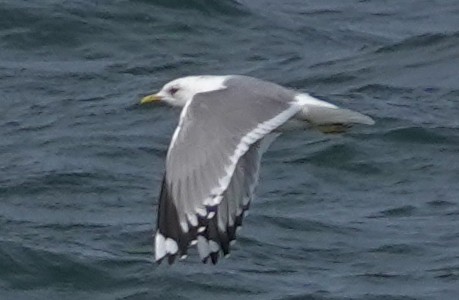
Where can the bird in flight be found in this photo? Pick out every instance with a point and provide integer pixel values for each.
(213, 160)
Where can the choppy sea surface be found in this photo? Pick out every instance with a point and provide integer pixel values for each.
(372, 214)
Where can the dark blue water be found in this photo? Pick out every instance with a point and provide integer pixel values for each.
(373, 214)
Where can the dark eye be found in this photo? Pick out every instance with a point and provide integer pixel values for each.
(173, 90)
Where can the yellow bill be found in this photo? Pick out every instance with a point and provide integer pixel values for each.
(150, 98)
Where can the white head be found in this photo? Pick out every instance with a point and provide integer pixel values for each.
(179, 91)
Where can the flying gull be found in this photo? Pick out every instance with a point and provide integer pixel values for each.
(213, 160)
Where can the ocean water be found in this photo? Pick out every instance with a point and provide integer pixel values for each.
(371, 214)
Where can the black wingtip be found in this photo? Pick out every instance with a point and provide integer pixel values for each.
(171, 259)
(214, 257)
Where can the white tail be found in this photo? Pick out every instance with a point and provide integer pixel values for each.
(319, 112)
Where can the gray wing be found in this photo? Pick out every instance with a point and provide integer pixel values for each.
(221, 230)
(215, 130)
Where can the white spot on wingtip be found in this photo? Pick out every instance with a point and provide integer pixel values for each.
(171, 246)
(211, 215)
(201, 229)
(193, 242)
(183, 257)
(228, 255)
(160, 246)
